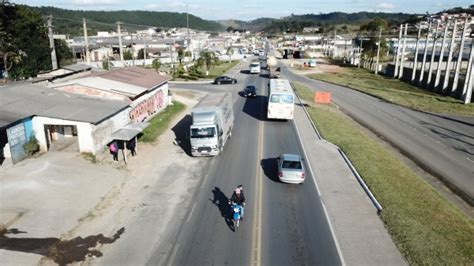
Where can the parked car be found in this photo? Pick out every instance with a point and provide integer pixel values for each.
(290, 168)
(225, 80)
(250, 91)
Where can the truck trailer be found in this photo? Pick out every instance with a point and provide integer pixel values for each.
(212, 122)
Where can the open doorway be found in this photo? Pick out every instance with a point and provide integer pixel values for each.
(61, 137)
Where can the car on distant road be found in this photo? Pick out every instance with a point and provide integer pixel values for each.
(250, 91)
(225, 80)
(290, 168)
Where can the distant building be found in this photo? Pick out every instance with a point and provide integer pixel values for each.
(311, 29)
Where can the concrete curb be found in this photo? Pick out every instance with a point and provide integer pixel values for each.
(346, 159)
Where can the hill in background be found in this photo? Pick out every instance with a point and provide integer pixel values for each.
(67, 21)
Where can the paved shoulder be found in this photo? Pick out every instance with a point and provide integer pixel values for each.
(360, 233)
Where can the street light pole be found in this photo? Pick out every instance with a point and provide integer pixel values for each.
(378, 51)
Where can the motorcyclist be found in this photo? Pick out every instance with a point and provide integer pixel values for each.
(238, 197)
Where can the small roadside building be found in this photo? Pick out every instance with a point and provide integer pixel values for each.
(56, 119)
(144, 90)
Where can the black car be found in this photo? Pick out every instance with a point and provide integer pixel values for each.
(224, 80)
(250, 91)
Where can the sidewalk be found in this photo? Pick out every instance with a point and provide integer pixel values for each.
(360, 233)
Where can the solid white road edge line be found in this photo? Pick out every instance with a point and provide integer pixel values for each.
(336, 242)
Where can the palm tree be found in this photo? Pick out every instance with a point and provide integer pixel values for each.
(207, 58)
(230, 52)
(156, 64)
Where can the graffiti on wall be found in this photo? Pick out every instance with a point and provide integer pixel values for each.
(17, 139)
(147, 107)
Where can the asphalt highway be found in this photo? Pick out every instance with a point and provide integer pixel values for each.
(441, 144)
(283, 225)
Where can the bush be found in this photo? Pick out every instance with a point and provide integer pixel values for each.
(32, 146)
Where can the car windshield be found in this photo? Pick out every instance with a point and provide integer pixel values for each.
(250, 89)
(291, 165)
(207, 132)
(281, 98)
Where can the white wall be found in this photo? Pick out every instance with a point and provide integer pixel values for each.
(101, 133)
(84, 134)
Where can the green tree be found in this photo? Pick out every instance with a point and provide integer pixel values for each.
(156, 64)
(374, 25)
(230, 52)
(141, 54)
(106, 63)
(187, 53)
(208, 59)
(127, 55)
(180, 55)
(25, 40)
(63, 53)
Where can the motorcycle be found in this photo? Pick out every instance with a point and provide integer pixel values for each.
(236, 217)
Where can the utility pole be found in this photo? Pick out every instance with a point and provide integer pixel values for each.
(360, 51)
(132, 48)
(433, 54)
(144, 51)
(378, 51)
(447, 71)
(54, 59)
(187, 25)
(441, 55)
(395, 75)
(120, 43)
(425, 51)
(402, 61)
(88, 58)
(459, 62)
(467, 90)
(415, 60)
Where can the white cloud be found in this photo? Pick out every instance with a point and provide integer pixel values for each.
(386, 5)
(152, 6)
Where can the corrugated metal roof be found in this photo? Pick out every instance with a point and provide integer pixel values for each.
(129, 131)
(105, 85)
(137, 76)
(21, 100)
(78, 67)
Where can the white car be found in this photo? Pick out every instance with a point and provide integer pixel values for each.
(290, 168)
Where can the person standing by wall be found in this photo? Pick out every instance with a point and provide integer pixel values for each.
(114, 150)
(131, 145)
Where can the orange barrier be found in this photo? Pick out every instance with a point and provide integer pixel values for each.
(322, 97)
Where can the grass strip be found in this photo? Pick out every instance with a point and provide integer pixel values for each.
(220, 69)
(395, 91)
(160, 122)
(426, 228)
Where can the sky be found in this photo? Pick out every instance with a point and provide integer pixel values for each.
(252, 9)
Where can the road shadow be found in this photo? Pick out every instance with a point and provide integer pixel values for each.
(245, 71)
(253, 107)
(302, 104)
(222, 202)
(181, 132)
(60, 251)
(270, 168)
